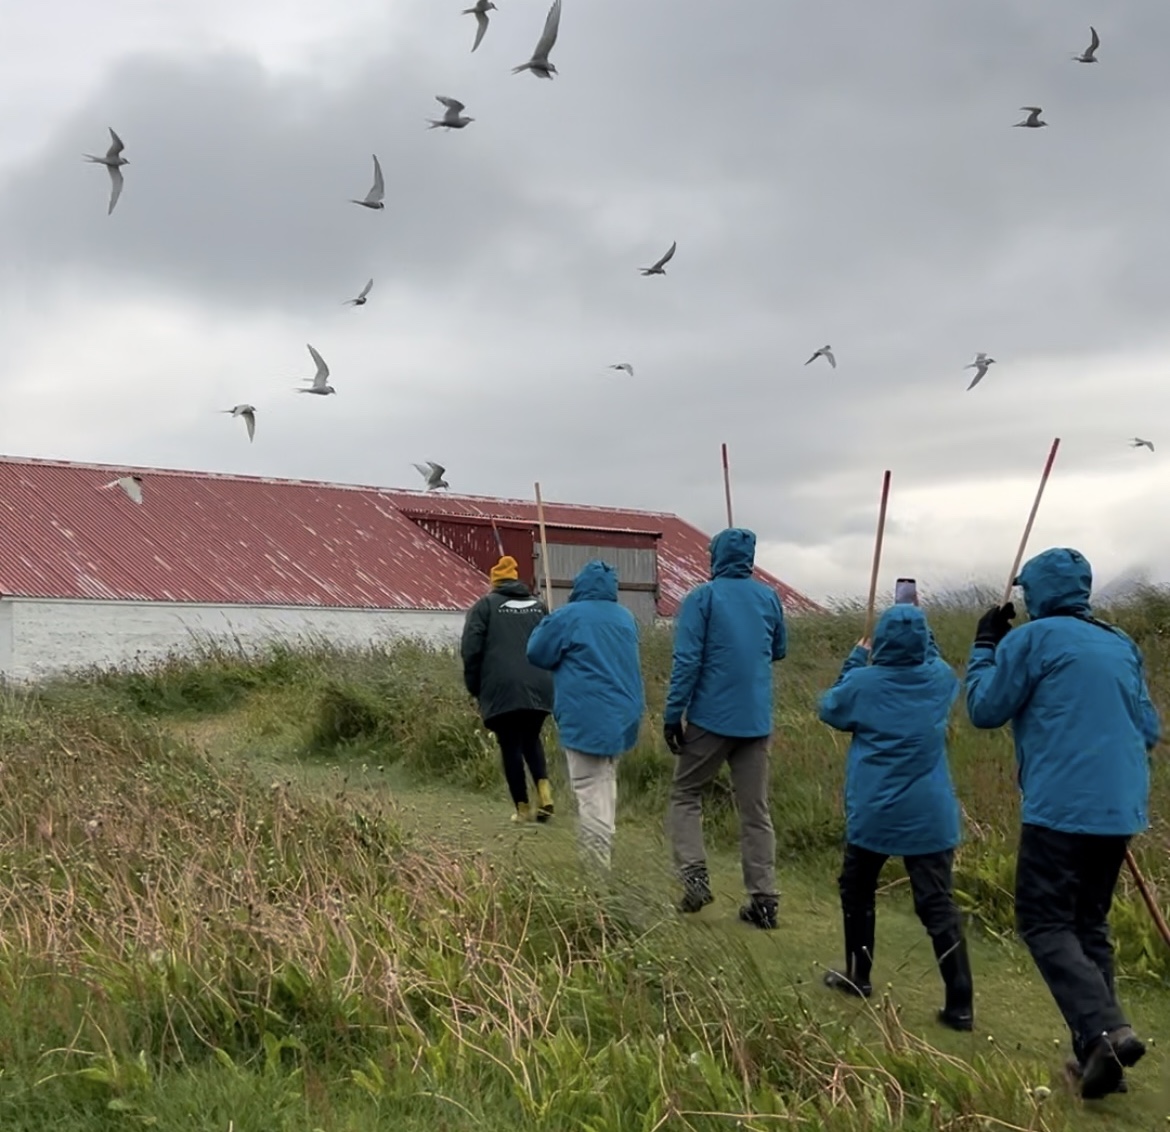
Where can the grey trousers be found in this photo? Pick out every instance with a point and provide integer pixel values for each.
(702, 756)
(594, 780)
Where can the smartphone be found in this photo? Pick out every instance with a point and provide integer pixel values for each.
(906, 592)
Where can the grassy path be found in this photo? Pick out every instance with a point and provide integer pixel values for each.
(1015, 1018)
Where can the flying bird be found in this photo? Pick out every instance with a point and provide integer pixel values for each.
(248, 412)
(1089, 55)
(360, 301)
(1033, 119)
(1138, 442)
(375, 195)
(825, 352)
(539, 64)
(454, 118)
(660, 267)
(433, 474)
(320, 384)
(624, 366)
(113, 161)
(480, 12)
(131, 485)
(979, 365)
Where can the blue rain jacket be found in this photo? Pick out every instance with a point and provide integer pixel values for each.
(1075, 693)
(899, 799)
(727, 635)
(591, 647)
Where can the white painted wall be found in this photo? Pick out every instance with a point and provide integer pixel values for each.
(40, 637)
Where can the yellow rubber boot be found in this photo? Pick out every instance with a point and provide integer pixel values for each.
(544, 792)
(523, 813)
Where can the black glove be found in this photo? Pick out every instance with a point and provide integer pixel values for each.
(673, 734)
(994, 625)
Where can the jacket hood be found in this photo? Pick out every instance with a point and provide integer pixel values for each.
(902, 637)
(733, 552)
(512, 587)
(598, 581)
(1056, 581)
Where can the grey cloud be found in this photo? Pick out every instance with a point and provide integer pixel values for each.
(843, 174)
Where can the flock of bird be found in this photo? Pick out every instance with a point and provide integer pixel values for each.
(454, 119)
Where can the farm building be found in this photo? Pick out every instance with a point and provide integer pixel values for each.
(90, 576)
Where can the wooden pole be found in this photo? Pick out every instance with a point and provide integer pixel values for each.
(1148, 897)
(1007, 593)
(544, 550)
(727, 486)
(877, 557)
(499, 540)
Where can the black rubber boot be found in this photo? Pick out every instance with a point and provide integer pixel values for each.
(860, 929)
(761, 912)
(955, 968)
(696, 891)
(1101, 1073)
(1074, 1073)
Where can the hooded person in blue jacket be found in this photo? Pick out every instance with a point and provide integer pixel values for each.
(591, 647)
(1074, 690)
(729, 632)
(899, 801)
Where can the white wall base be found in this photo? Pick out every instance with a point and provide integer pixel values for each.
(40, 637)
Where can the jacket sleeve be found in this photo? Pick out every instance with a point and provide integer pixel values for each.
(779, 633)
(1000, 681)
(475, 629)
(1150, 724)
(690, 638)
(549, 641)
(838, 703)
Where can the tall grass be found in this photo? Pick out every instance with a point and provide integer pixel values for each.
(184, 946)
(406, 704)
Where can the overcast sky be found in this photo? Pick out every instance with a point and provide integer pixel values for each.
(840, 173)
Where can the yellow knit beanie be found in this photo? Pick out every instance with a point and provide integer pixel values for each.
(506, 570)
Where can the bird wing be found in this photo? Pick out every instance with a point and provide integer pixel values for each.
(116, 182)
(424, 471)
(131, 487)
(669, 255)
(322, 369)
(977, 378)
(481, 19)
(366, 289)
(379, 189)
(1096, 40)
(549, 36)
(249, 416)
(814, 357)
(437, 470)
(451, 103)
(832, 360)
(117, 146)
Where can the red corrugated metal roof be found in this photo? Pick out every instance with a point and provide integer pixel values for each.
(225, 540)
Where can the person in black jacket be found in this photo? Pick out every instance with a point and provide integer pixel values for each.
(515, 697)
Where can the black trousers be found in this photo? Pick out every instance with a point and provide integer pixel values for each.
(930, 882)
(518, 733)
(1064, 888)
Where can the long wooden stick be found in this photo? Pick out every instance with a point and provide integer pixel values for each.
(499, 540)
(727, 486)
(544, 551)
(1007, 593)
(877, 557)
(1148, 897)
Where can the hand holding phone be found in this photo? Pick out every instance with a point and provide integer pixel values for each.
(906, 592)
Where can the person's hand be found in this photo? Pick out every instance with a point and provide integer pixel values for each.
(864, 644)
(673, 734)
(994, 625)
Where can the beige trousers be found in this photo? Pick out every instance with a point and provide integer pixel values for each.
(594, 780)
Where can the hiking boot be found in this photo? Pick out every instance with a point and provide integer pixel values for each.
(523, 813)
(846, 984)
(1074, 1071)
(1101, 1074)
(961, 1020)
(696, 891)
(760, 912)
(1128, 1047)
(544, 793)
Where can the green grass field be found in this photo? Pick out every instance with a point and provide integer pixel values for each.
(282, 893)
